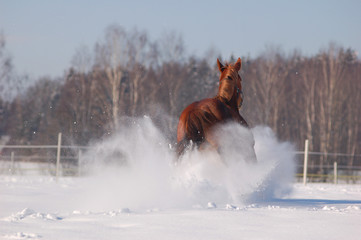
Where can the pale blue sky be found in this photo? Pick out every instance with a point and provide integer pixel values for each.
(42, 35)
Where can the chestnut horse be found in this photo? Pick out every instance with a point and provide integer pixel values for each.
(198, 119)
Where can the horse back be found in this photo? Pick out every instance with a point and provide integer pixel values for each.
(198, 118)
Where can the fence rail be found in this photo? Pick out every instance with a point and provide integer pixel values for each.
(349, 173)
(59, 147)
(58, 164)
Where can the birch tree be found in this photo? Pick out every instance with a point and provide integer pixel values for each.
(111, 56)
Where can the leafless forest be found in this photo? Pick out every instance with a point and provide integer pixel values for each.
(126, 74)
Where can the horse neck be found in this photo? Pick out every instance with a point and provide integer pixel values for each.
(233, 102)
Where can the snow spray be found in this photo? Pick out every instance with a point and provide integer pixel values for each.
(136, 168)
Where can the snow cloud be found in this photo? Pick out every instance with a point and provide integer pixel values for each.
(137, 169)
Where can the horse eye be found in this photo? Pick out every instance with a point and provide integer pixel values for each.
(229, 78)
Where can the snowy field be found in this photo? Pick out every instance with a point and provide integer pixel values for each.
(40, 208)
(206, 196)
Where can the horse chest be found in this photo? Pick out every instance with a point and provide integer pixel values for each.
(226, 112)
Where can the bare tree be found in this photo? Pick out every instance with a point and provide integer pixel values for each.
(308, 100)
(172, 47)
(137, 54)
(6, 68)
(352, 90)
(75, 106)
(111, 55)
(267, 81)
(82, 60)
(172, 54)
(332, 70)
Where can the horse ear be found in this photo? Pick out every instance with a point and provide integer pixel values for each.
(220, 65)
(238, 64)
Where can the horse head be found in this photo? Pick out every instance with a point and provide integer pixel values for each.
(230, 87)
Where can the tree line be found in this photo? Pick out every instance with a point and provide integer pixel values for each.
(299, 97)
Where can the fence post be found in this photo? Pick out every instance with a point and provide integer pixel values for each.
(58, 157)
(335, 172)
(12, 163)
(305, 163)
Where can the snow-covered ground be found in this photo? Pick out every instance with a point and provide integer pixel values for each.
(40, 208)
(133, 190)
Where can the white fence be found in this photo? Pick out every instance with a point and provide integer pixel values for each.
(60, 160)
(51, 163)
(331, 171)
